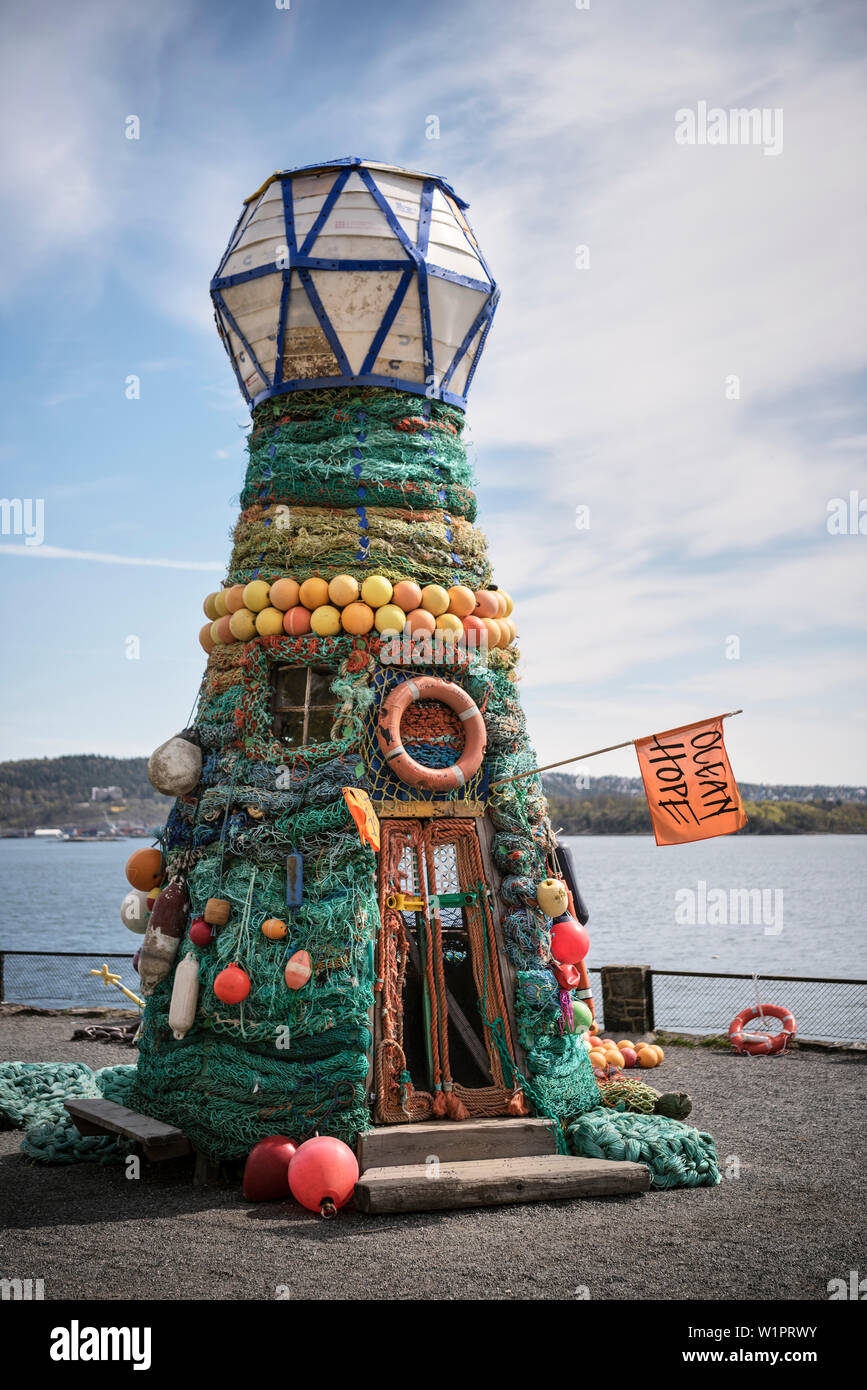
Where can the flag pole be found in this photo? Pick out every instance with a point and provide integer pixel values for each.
(501, 782)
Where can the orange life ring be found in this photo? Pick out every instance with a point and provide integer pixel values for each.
(756, 1043)
(438, 779)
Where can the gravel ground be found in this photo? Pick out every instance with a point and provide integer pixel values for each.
(788, 1224)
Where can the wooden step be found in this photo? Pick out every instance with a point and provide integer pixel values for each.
(103, 1117)
(495, 1182)
(452, 1141)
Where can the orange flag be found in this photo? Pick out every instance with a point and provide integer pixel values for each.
(362, 812)
(689, 784)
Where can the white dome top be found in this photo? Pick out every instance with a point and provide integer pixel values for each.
(354, 272)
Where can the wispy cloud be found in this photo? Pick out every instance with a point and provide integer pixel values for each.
(56, 552)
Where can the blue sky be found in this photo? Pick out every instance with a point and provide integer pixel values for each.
(602, 387)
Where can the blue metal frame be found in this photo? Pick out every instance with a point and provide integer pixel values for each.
(414, 266)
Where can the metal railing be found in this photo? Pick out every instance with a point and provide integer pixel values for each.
(684, 1001)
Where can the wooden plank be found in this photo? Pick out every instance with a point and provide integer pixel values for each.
(434, 810)
(508, 974)
(106, 1117)
(401, 1145)
(495, 1182)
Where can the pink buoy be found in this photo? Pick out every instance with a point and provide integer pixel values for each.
(323, 1174)
(298, 970)
(266, 1172)
(569, 941)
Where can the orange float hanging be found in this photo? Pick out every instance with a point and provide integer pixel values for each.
(762, 1043)
(439, 779)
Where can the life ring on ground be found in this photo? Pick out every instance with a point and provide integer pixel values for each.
(757, 1043)
(438, 779)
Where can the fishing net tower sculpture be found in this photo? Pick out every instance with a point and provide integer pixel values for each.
(355, 908)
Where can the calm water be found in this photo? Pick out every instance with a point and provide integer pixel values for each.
(66, 897)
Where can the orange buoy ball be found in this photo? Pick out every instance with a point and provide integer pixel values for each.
(357, 618)
(501, 603)
(510, 603)
(243, 624)
(220, 603)
(615, 1057)
(269, 622)
(205, 638)
(296, 621)
(492, 627)
(234, 598)
(513, 628)
(625, 1043)
(209, 607)
(658, 1050)
(435, 599)
(377, 591)
(144, 869)
(232, 984)
(313, 593)
(256, 595)
(420, 620)
(597, 1057)
(325, 620)
(343, 589)
(224, 629)
(450, 623)
(407, 595)
(473, 629)
(486, 603)
(215, 636)
(390, 618)
(462, 600)
(284, 593)
(647, 1057)
(274, 929)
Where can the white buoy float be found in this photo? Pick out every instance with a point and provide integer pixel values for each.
(175, 768)
(134, 911)
(185, 997)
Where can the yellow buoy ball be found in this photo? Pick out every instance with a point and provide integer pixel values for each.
(224, 629)
(256, 595)
(284, 594)
(243, 625)
(220, 603)
(450, 623)
(209, 607)
(215, 634)
(435, 599)
(501, 604)
(377, 591)
(325, 620)
(407, 595)
(357, 618)
(462, 600)
(269, 622)
(205, 638)
(313, 593)
(513, 628)
(234, 598)
(390, 618)
(342, 590)
(510, 603)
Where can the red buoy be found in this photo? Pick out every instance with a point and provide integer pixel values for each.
(569, 941)
(266, 1172)
(323, 1174)
(201, 933)
(232, 984)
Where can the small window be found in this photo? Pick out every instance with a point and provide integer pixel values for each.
(302, 704)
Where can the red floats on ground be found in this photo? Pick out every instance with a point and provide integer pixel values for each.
(323, 1174)
(266, 1172)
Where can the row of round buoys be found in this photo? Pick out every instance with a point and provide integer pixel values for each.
(342, 605)
(608, 1058)
(321, 1173)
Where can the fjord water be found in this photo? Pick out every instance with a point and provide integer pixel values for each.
(66, 897)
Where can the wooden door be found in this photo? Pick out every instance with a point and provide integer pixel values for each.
(444, 1044)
